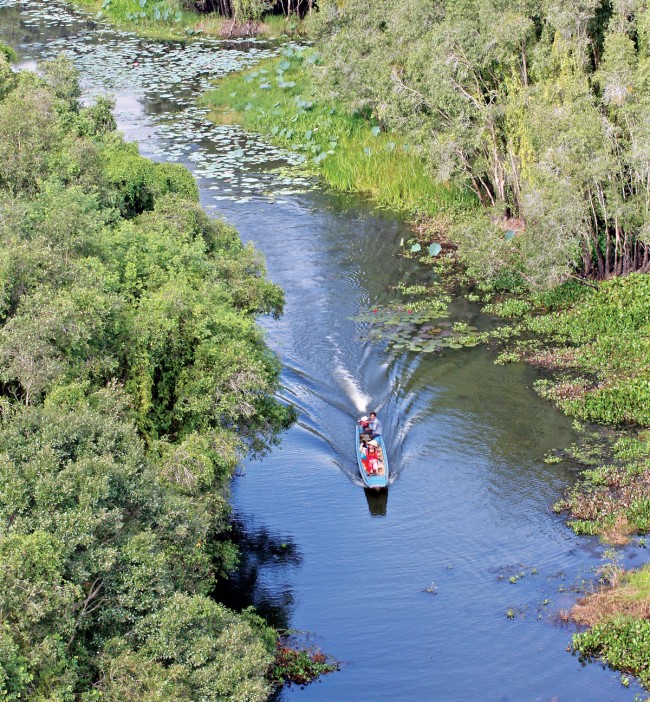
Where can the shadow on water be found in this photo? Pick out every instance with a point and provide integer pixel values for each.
(260, 576)
(377, 501)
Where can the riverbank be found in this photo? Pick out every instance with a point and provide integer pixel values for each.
(595, 342)
(349, 151)
(172, 21)
(618, 617)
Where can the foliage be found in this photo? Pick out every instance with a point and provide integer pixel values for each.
(539, 108)
(349, 151)
(249, 10)
(134, 379)
(7, 52)
(608, 335)
(623, 643)
(140, 181)
(598, 343)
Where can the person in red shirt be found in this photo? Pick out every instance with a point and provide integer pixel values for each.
(371, 461)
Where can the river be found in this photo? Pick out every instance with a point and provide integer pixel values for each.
(409, 591)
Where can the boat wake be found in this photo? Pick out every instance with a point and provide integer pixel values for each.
(348, 382)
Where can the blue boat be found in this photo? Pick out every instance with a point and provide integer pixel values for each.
(378, 480)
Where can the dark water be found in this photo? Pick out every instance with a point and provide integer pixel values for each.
(468, 507)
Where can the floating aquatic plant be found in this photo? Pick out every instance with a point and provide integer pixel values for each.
(412, 329)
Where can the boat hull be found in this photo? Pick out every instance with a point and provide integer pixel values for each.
(375, 482)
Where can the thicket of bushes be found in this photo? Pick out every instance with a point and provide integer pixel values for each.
(541, 107)
(133, 379)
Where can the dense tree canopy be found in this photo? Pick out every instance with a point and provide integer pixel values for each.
(539, 106)
(133, 380)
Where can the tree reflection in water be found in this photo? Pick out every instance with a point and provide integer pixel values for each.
(260, 578)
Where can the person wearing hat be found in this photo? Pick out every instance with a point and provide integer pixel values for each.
(372, 458)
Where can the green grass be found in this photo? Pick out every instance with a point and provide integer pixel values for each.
(167, 19)
(350, 152)
(639, 583)
(598, 342)
(621, 637)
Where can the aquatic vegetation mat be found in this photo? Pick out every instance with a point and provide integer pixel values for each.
(408, 329)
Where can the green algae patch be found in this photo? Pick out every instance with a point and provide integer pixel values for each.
(351, 152)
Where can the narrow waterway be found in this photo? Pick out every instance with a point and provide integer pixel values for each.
(410, 590)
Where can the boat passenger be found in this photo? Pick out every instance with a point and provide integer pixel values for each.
(365, 433)
(374, 425)
(372, 459)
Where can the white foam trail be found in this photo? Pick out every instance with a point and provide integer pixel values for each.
(348, 382)
(353, 391)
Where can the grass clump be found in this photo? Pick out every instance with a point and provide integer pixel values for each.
(596, 343)
(619, 621)
(349, 151)
(613, 500)
(597, 340)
